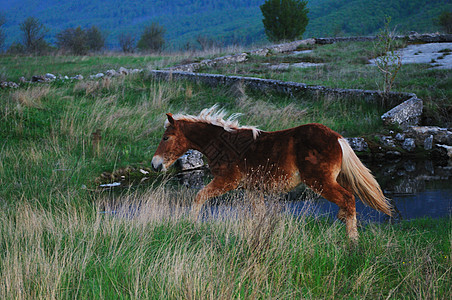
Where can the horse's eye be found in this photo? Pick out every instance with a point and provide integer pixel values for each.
(165, 138)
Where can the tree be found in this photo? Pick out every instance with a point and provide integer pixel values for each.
(284, 19)
(445, 21)
(33, 32)
(127, 43)
(73, 40)
(152, 38)
(2, 33)
(95, 39)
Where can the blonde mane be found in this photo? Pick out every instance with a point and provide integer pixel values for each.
(216, 117)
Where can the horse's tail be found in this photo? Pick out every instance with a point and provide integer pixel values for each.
(355, 175)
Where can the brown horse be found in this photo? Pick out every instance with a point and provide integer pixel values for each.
(246, 157)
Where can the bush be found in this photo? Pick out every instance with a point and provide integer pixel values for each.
(127, 43)
(152, 38)
(95, 39)
(73, 40)
(445, 21)
(2, 33)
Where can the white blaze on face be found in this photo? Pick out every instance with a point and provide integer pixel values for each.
(157, 163)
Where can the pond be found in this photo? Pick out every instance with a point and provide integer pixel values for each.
(417, 189)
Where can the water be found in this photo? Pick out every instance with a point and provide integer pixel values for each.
(417, 189)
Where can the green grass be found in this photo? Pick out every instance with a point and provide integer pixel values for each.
(61, 237)
(118, 252)
(14, 67)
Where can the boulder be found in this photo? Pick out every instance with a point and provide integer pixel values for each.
(110, 73)
(428, 143)
(405, 114)
(123, 71)
(192, 159)
(408, 144)
(50, 76)
(358, 144)
(97, 76)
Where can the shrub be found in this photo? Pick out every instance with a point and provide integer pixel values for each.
(152, 38)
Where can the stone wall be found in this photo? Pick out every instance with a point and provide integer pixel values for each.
(407, 114)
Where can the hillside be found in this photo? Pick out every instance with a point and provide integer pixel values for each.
(226, 21)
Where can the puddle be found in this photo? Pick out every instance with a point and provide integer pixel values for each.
(438, 55)
(417, 189)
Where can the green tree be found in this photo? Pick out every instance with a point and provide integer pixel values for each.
(95, 39)
(284, 19)
(73, 40)
(2, 33)
(445, 21)
(33, 33)
(152, 38)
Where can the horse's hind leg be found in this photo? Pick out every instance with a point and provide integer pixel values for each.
(335, 193)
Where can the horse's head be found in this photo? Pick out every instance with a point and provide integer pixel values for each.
(171, 147)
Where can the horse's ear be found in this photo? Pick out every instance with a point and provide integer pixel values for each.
(170, 118)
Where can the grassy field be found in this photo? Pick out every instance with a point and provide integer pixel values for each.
(62, 237)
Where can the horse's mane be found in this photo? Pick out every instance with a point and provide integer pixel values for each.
(215, 117)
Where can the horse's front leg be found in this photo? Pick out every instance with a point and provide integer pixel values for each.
(217, 187)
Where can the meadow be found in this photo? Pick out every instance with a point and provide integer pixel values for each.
(63, 237)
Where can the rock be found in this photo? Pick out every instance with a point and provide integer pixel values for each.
(387, 141)
(8, 84)
(393, 154)
(405, 114)
(22, 79)
(38, 78)
(400, 137)
(447, 148)
(97, 76)
(420, 133)
(123, 71)
(135, 71)
(358, 144)
(50, 76)
(111, 73)
(192, 159)
(77, 77)
(428, 143)
(409, 144)
(65, 77)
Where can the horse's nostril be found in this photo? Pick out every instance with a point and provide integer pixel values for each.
(156, 169)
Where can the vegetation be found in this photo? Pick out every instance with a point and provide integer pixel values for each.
(445, 21)
(63, 237)
(390, 62)
(228, 22)
(284, 19)
(152, 39)
(79, 41)
(145, 248)
(2, 32)
(346, 65)
(33, 33)
(127, 43)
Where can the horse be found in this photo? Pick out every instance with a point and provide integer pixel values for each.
(244, 156)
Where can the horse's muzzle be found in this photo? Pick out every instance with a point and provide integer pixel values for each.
(157, 163)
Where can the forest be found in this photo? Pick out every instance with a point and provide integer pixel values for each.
(228, 22)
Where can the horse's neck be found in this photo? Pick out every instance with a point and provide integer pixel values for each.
(201, 135)
(215, 142)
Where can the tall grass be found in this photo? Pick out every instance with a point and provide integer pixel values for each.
(144, 246)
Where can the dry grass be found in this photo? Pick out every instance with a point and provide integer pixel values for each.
(30, 97)
(144, 246)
